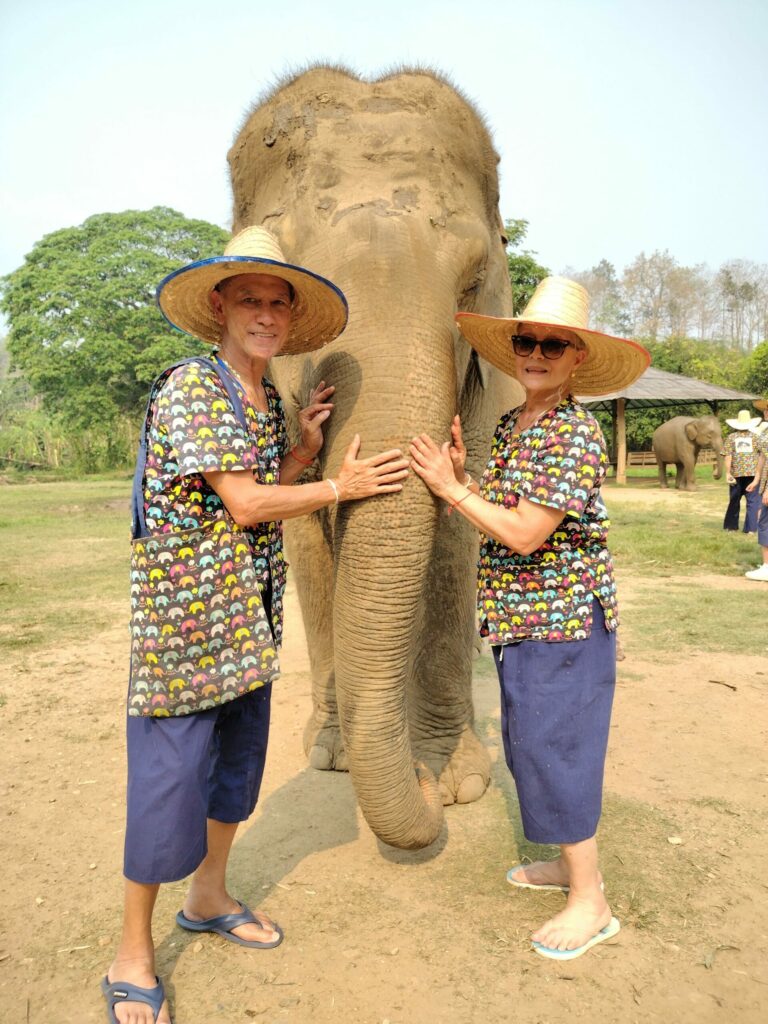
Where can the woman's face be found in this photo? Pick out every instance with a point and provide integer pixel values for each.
(254, 311)
(542, 376)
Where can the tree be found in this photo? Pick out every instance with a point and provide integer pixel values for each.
(84, 328)
(756, 370)
(525, 271)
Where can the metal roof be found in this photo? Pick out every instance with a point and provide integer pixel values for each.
(657, 388)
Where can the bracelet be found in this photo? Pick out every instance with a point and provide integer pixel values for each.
(455, 504)
(304, 462)
(335, 489)
(467, 480)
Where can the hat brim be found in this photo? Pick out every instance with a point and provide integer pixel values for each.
(750, 424)
(611, 364)
(318, 314)
(761, 404)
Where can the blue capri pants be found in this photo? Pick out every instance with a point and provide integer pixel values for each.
(556, 701)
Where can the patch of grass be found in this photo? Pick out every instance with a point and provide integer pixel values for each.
(65, 550)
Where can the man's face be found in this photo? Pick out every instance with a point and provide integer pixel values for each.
(254, 311)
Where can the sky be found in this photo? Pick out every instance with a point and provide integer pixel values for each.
(623, 127)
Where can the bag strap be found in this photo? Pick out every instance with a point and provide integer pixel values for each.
(220, 369)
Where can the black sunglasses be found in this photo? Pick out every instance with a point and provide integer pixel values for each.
(551, 348)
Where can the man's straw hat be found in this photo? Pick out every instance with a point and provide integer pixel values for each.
(319, 309)
(611, 363)
(744, 421)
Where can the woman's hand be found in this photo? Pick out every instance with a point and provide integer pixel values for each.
(457, 451)
(362, 478)
(311, 420)
(435, 465)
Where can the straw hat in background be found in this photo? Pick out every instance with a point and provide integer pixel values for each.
(744, 421)
(319, 309)
(611, 363)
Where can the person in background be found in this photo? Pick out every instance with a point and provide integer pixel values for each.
(740, 449)
(759, 486)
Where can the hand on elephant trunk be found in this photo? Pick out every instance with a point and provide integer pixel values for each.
(311, 420)
(364, 478)
(458, 451)
(434, 465)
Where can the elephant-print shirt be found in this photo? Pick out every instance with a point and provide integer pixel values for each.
(762, 449)
(741, 445)
(560, 461)
(193, 428)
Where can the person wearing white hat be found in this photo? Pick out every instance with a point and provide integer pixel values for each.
(759, 486)
(193, 777)
(740, 450)
(546, 592)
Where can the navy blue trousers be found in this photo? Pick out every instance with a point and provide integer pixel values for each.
(556, 701)
(735, 493)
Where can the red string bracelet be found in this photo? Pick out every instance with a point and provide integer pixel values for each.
(304, 462)
(455, 504)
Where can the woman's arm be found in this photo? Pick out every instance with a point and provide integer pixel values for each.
(249, 502)
(522, 529)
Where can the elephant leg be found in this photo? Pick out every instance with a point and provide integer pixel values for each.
(310, 556)
(680, 481)
(662, 473)
(440, 694)
(689, 475)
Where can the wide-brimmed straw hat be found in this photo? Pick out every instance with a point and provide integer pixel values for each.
(744, 421)
(761, 404)
(611, 363)
(318, 310)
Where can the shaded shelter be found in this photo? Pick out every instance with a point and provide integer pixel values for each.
(654, 390)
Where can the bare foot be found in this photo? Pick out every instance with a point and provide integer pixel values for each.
(139, 972)
(583, 917)
(201, 910)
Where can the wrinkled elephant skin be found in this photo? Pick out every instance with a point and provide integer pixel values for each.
(390, 190)
(679, 441)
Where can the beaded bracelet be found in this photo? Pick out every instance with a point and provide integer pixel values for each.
(304, 462)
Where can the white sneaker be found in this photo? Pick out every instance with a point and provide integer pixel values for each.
(761, 573)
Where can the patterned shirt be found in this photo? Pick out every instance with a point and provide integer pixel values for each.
(560, 461)
(762, 449)
(741, 445)
(193, 429)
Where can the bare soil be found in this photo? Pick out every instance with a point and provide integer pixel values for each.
(375, 935)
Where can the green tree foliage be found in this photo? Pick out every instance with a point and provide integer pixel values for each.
(756, 370)
(525, 271)
(84, 329)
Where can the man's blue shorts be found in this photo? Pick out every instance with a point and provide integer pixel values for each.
(556, 701)
(762, 527)
(184, 770)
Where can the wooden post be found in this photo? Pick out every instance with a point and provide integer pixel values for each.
(621, 442)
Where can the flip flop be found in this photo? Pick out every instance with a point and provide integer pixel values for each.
(546, 887)
(612, 928)
(224, 924)
(123, 991)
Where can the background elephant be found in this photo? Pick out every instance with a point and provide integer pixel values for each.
(679, 441)
(390, 189)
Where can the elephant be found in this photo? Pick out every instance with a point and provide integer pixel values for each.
(679, 440)
(390, 189)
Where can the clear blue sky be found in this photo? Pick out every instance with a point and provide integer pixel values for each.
(622, 126)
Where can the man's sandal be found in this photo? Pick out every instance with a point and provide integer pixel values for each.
(124, 992)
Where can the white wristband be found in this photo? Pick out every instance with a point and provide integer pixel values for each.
(334, 488)
(467, 479)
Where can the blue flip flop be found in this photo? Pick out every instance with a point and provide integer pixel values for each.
(544, 887)
(123, 992)
(224, 924)
(612, 928)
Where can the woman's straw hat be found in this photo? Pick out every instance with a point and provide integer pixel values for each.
(319, 309)
(611, 363)
(744, 421)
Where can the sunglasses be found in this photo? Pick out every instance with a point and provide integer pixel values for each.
(551, 348)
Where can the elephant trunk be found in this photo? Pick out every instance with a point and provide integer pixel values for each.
(719, 466)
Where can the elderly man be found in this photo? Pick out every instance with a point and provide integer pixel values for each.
(214, 444)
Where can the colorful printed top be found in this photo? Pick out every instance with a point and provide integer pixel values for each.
(560, 461)
(194, 429)
(741, 445)
(762, 449)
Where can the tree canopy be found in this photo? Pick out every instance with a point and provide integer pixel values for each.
(525, 271)
(84, 328)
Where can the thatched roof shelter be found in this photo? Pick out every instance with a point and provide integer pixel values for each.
(654, 390)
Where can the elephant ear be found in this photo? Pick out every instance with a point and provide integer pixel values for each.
(690, 431)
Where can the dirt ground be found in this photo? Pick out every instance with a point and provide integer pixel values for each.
(377, 936)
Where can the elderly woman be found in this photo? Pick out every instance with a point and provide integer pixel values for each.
(546, 592)
(193, 776)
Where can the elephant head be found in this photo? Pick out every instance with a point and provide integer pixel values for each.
(388, 188)
(706, 432)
